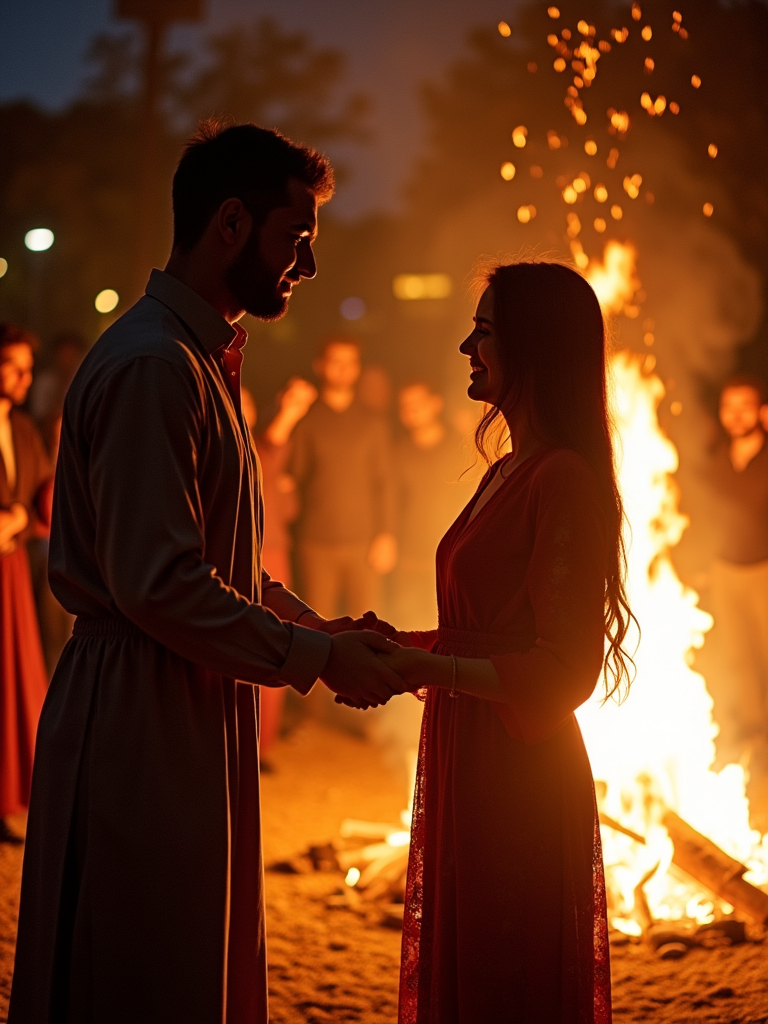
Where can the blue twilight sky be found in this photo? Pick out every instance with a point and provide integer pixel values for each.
(391, 45)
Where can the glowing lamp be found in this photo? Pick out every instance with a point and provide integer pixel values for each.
(508, 171)
(106, 300)
(409, 287)
(3, 267)
(38, 239)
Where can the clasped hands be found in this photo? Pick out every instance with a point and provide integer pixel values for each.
(365, 667)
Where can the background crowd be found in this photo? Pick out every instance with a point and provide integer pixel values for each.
(361, 480)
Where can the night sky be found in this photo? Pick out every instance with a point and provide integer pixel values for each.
(391, 45)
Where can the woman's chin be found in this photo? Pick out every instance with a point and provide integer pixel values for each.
(477, 391)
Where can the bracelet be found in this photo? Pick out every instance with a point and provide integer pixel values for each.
(454, 680)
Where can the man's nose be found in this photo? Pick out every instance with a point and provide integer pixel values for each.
(305, 261)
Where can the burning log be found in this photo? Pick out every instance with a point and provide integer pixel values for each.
(708, 864)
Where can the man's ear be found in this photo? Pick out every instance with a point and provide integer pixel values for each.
(234, 222)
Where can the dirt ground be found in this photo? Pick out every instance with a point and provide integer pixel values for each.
(327, 963)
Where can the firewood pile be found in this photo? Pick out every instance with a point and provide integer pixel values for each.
(372, 859)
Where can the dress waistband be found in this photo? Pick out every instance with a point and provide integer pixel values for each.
(467, 642)
(104, 625)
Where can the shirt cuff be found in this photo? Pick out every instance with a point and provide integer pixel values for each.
(307, 657)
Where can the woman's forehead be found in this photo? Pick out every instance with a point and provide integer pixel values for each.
(485, 304)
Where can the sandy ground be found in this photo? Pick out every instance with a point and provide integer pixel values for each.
(328, 963)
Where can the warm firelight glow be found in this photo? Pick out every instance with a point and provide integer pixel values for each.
(504, 29)
(508, 171)
(615, 280)
(656, 751)
(520, 136)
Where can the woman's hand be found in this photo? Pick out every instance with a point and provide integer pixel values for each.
(12, 522)
(419, 668)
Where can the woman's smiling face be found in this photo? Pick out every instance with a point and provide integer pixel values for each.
(482, 347)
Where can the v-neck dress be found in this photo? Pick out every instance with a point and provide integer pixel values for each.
(505, 901)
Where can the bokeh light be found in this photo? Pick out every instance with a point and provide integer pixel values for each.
(504, 29)
(106, 300)
(520, 136)
(3, 267)
(422, 286)
(352, 308)
(508, 171)
(39, 239)
(708, 209)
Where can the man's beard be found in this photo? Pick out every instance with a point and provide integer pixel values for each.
(253, 285)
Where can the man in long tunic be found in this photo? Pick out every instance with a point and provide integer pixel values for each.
(142, 896)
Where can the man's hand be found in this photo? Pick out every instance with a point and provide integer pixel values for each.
(341, 625)
(355, 672)
(382, 554)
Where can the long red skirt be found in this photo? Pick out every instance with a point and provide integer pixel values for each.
(23, 681)
(505, 901)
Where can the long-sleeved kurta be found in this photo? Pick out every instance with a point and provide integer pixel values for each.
(142, 886)
(23, 679)
(505, 905)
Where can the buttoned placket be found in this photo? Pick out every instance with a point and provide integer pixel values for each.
(231, 364)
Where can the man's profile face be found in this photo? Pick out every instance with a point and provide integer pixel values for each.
(340, 366)
(276, 256)
(16, 362)
(739, 411)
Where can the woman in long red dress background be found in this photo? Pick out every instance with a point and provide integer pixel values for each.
(25, 500)
(505, 902)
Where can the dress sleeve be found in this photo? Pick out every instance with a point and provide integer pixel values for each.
(145, 436)
(566, 588)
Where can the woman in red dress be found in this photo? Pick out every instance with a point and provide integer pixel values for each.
(505, 901)
(25, 499)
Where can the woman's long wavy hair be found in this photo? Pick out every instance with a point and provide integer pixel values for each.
(553, 350)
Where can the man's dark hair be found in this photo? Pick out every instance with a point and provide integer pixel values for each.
(745, 380)
(240, 161)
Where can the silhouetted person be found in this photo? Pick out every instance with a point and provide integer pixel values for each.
(430, 496)
(25, 493)
(739, 586)
(142, 897)
(341, 460)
